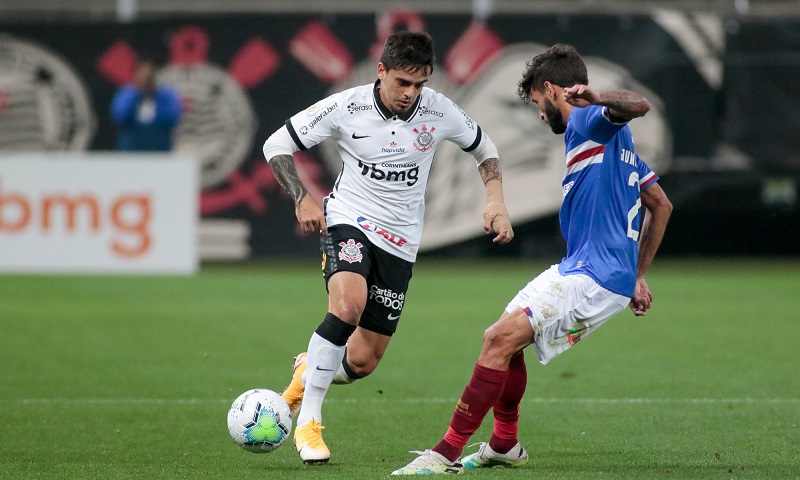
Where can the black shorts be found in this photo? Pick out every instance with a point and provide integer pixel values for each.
(347, 249)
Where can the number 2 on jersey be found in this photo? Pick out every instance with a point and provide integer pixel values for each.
(633, 180)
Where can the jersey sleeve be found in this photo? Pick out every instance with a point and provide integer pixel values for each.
(316, 123)
(647, 177)
(462, 130)
(595, 123)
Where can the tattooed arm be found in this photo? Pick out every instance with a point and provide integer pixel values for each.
(308, 213)
(622, 104)
(495, 216)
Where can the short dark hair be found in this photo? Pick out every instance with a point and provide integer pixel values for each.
(560, 65)
(410, 51)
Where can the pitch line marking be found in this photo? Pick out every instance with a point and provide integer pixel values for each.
(581, 401)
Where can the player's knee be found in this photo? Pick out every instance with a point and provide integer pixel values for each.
(494, 338)
(501, 341)
(349, 311)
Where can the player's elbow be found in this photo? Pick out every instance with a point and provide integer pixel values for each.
(646, 106)
(656, 202)
(663, 208)
(641, 108)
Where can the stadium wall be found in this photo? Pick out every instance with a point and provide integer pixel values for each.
(720, 134)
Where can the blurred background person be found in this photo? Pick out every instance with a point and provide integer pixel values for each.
(145, 112)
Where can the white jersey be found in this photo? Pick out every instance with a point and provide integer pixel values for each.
(386, 159)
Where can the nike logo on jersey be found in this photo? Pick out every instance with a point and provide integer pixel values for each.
(392, 317)
(356, 137)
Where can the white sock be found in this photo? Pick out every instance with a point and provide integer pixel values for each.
(324, 359)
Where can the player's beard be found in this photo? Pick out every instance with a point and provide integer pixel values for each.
(553, 115)
(397, 109)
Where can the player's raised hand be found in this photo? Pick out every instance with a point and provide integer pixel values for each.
(580, 95)
(495, 219)
(310, 216)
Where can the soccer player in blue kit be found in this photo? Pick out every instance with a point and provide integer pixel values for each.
(609, 250)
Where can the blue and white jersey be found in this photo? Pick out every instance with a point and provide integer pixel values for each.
(600, 216)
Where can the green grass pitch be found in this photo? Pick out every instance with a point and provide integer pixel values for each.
(120, 377)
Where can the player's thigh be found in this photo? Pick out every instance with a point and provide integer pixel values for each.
(346, 265)
(347, 295)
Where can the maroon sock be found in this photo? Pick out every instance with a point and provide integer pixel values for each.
(506, 410)
(482, 391)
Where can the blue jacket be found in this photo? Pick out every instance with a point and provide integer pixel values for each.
(146, 122)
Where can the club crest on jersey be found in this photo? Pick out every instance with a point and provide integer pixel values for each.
(425, 139)
(351, 251)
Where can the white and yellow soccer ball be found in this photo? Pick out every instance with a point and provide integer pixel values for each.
(259, 420)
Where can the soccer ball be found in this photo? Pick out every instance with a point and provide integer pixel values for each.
(259, 420)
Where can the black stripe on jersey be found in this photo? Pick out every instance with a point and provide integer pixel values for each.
(413, 110)
(294, 135)
(336, 183)
(476, 142)
(379, 106)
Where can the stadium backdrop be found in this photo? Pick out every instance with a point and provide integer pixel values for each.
(718, 135)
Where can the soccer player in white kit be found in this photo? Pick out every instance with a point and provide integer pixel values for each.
(371, 223)
(609, 249)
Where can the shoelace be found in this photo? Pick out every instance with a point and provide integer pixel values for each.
(294, 362)
(314, 438)
(478, 443)
(425, 458)
(481, 447)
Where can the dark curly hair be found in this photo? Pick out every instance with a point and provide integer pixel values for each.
(560, 65)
